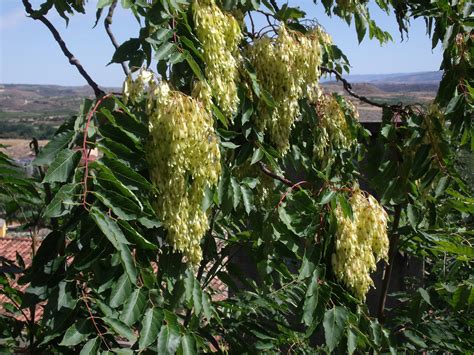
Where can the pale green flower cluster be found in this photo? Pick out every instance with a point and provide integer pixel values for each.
(183, 156)
(360, 243)
(288, 68)
(220, 35)
(202, 92)
(324, 37)
(133, 90)
(432, 122)
(333, 130)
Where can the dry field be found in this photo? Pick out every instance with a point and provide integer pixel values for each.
(18, 148)
(36, 110)
(368, 113)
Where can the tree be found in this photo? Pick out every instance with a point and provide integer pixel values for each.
(231, 148)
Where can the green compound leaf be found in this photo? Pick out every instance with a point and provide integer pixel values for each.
(334, 323)
(115, 235)
(150, 326)
(132, 310)
(91, 347)
(62, 167)
(51, 150)
(168, 340)
(121, 328)
(76, 333)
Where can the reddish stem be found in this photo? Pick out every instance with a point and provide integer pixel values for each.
(99, 333)
(290, 190)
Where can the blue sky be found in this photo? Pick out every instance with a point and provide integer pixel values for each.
(29, 54)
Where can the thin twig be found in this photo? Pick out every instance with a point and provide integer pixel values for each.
(17, 306)
(266, 30)
(72, 60)
(270, 173)
(107, 23)
(348, 87)
(12, 195)
(209, 278)
(209, 235)
(269, 20)
(252, 23)
(99, 333)
(47, 188)
(285, 286)
(297, 185)
(30, 322)
(275, 5)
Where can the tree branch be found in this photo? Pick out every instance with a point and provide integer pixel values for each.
(107, 24)
(270, 173)
(348, 87)
(72, 60)
(269, 21)
(17, 306)
(275, 5)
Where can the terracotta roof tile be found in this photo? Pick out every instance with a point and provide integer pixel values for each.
(10, 246)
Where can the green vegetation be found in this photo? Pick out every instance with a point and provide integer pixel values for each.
(26, 130)
(18, 115)
(29, 111)
(403, 99)
(253, 177)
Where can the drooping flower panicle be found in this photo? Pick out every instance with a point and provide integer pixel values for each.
(220, 35)
(360, 243)
(183, 157)
(333, 130)
(288, 68)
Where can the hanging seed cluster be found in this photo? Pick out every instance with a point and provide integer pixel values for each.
(134, 90)
(183, 156)
(203, 93)
(360, 243)
(333, 129)
(432, 123)
(287, 67)
(220, 35)
(324, 37)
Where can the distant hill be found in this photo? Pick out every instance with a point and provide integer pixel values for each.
(365, 89)
(36, 110)
(47, 90)
(432, 77)
(406, 88)
(397, 83)
(33, 90)
(420, 78)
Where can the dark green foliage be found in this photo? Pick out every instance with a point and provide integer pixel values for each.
(109, 280)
